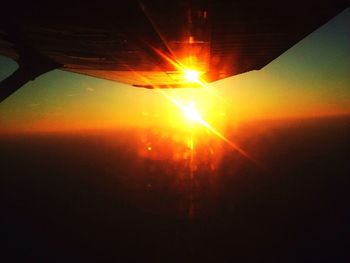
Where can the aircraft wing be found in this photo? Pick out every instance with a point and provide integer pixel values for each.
(149, 43)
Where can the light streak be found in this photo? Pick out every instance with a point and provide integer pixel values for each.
(190, 111)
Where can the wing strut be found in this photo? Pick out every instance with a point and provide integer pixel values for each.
(30, 65)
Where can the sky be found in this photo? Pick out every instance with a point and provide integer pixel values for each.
(310, 79)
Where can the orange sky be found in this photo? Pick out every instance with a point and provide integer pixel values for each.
(310, 79)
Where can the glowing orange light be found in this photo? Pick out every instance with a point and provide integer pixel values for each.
(149, 148)
(192, 114)
(193, 75)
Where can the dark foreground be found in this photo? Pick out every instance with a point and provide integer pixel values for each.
(110, 198)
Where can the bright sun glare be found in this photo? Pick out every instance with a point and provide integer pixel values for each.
(191, 75)
(191, 112)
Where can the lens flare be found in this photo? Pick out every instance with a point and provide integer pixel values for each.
(190, 111)
(191, 75)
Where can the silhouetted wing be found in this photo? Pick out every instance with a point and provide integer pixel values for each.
(143, 42)
(248, 36)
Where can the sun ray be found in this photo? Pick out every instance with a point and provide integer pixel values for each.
(190, 74)
(191, 112)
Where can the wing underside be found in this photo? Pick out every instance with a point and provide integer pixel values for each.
(149, 43)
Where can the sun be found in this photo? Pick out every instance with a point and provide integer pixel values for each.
(191, 113)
